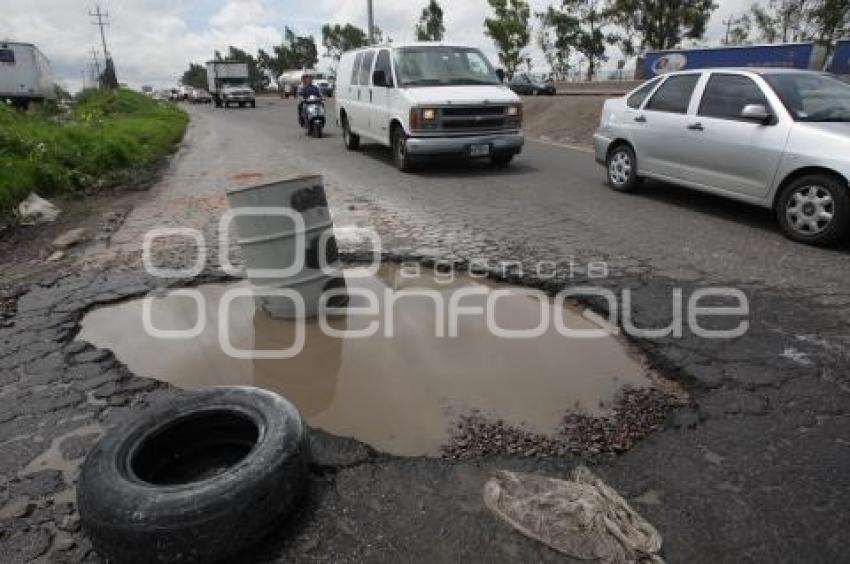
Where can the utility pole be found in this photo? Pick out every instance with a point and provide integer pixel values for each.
(101, 16)
(96, 62)
(371, 13)
(729, 22)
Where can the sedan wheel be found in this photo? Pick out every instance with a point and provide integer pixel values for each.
(622, 169)
(814, 209)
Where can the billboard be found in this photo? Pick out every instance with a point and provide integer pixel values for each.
(841, 58)
(793, 55)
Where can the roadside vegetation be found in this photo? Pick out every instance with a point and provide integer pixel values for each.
(107, 132)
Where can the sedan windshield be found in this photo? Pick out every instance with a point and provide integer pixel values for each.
(812, 97)
(443, 66)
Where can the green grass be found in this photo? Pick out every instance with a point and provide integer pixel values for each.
(106, 132)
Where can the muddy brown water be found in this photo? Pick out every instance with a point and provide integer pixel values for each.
(399, 394)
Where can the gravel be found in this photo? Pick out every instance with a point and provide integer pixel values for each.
(636, 414)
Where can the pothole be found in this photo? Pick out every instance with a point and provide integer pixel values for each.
(405, 389)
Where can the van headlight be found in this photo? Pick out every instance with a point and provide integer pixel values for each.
(429, 114)
(514, 111)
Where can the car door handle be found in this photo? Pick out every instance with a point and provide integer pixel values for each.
(640, 119)
(696, 127)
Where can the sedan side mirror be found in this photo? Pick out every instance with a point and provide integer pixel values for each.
(757, 112)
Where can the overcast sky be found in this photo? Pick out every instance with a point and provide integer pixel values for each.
(152, 41)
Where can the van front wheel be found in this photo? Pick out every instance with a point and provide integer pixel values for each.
(401, 157)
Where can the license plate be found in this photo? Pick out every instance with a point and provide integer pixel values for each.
(479, 150)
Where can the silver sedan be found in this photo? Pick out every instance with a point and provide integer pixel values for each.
(775, 138)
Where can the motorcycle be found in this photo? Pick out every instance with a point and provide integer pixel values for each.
(313, 116)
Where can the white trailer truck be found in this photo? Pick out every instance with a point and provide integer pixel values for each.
(229, 84)
(25, 74)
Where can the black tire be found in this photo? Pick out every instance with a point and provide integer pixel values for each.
(402, 159)
(621, 169)
(317, 132)
(254, 104)
(241, 104)
(502, 159)
(196, 479)
(803, 205)
(352, 141)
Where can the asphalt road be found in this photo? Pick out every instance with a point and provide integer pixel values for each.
(555, 197)
(755, 470)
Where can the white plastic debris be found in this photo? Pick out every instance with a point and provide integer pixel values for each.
(583, 518)
(35, 210)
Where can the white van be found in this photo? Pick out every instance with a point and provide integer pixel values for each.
(427, 99)
(25, 74)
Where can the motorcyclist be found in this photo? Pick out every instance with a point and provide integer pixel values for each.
(308, 89)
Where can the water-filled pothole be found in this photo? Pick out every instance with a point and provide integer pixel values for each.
(400, 393)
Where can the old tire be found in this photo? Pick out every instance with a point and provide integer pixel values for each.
(401, 157)
(196, 479)
(621, 169)
(814, 209)
(352, 141)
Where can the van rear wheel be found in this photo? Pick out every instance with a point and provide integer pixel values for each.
(352, 141)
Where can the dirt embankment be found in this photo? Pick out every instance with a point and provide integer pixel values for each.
(563, 119)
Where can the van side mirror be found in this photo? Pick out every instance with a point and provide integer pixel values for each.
(500, 73)
(758, 113)
(379, 78)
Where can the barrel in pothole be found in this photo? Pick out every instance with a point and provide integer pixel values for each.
(276, 223)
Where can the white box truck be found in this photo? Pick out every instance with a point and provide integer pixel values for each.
(229, 84)
(25, 74)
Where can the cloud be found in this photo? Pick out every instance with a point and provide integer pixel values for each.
(153, 41)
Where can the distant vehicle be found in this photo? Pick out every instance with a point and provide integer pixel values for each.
(312, 117)
(529, 85)
(776, 138)
(199, 96)
(25, 74)
(428, 99)
(229, 84)
(289, 83)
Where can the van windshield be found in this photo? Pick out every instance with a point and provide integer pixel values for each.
(443, 66)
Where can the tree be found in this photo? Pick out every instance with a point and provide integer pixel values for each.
(654, 25)
(782, 21)
(430, 26)
(555, 50)
(195, 76)
(338, 39)
(509, 30)
(296, 52)
(830, 19)
(738, 30)
(579, 24)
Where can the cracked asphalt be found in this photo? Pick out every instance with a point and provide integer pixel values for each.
(755, 470)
